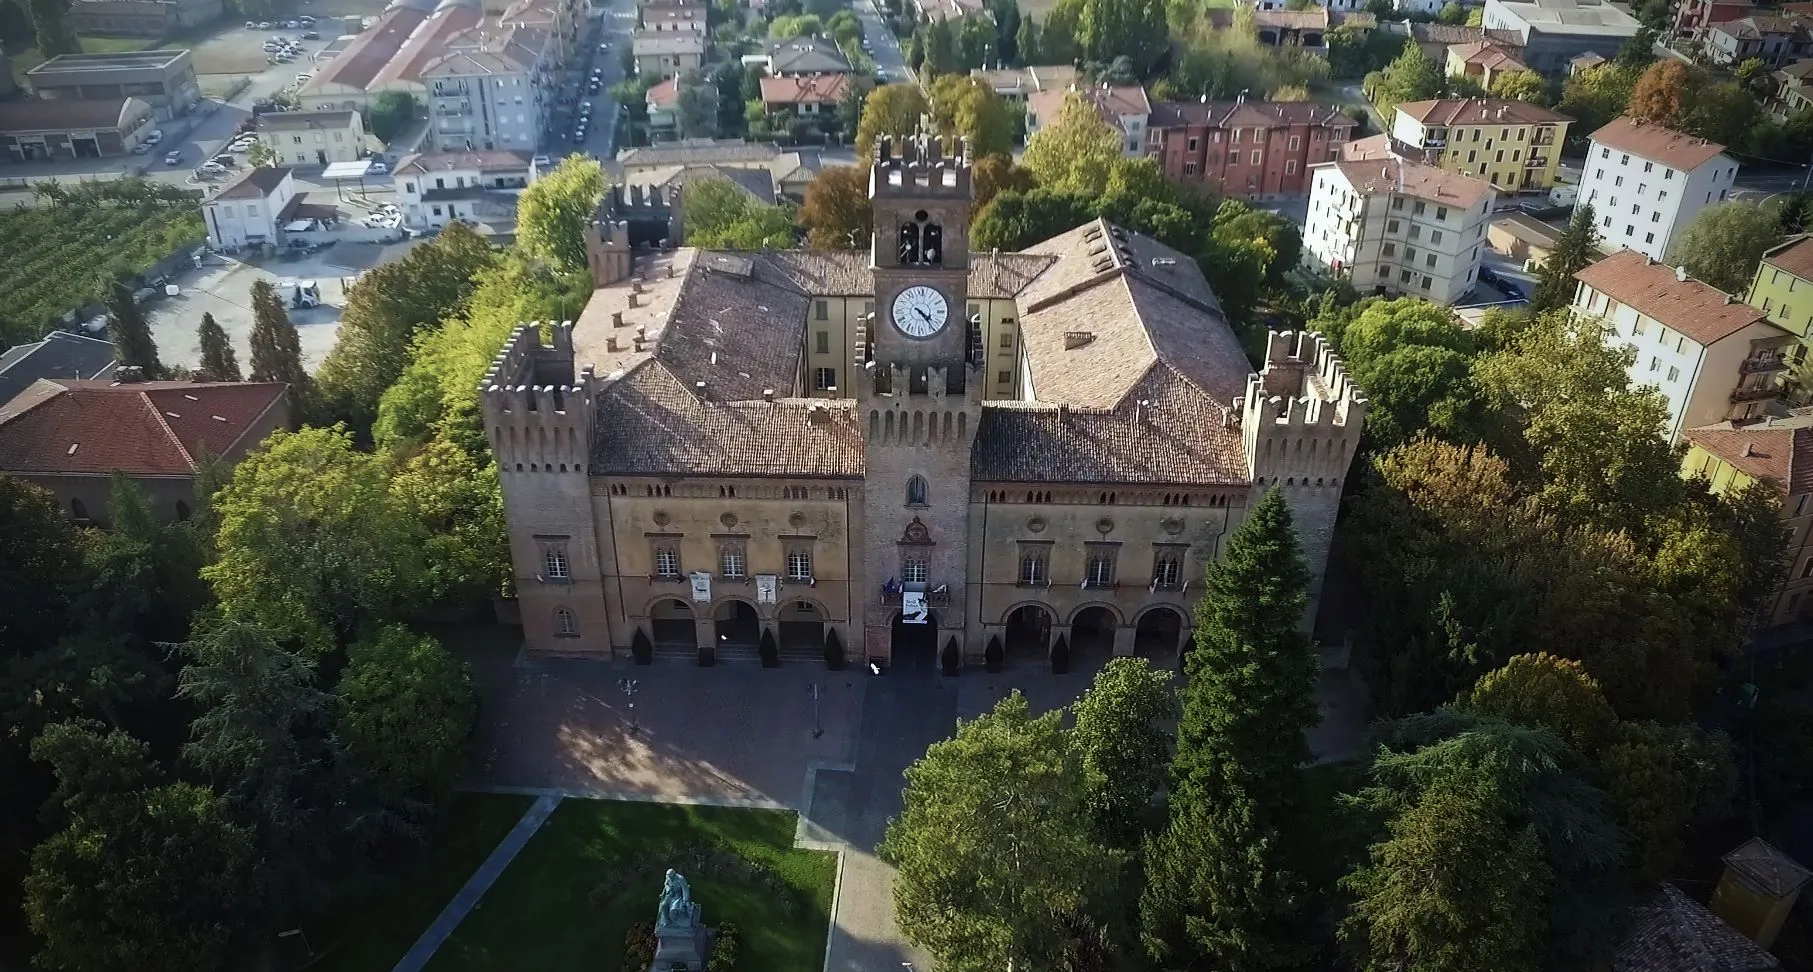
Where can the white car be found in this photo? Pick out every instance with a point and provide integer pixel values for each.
(212, 167)
(379, 168)
(156, 136)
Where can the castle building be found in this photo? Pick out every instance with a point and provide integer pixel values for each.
(904, 452)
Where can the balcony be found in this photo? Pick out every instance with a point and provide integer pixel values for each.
(1763, 361)
(1755, 393)
(1536, 162)
(939, 596)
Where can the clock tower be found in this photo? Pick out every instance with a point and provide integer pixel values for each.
(920, 400)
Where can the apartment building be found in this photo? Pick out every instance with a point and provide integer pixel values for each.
(1646, 183)
(1394, 225)
(1783, 289)
(474, 187)
(1483, 62)
(665, 54)
(1694, 15)
(1124, 107)
(314, 137)
(1778, 451)
(1776, 41)
(1514, 145)
(495, 96)
(1713, 357)
(1250, 149)
(1791, 92)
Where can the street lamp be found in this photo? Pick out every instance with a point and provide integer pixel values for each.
(629, 685)
(817, 729)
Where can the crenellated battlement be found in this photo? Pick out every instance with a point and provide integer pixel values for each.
(1302, 414)
(537, 409)
(918, 165)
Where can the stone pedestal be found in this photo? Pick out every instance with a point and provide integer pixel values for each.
(681, 946)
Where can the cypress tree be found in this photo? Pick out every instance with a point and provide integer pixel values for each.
(131, 336)
(1224, 886)
(1575, 249)
(276, 350)
(217, 360)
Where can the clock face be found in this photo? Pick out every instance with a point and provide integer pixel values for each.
(920, 312)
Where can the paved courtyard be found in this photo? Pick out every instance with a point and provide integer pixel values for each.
(742, 735)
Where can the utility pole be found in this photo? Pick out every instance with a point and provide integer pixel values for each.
(817, 729)
(629, 686)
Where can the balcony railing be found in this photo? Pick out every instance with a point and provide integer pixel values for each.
(1762, 362)
(1755, 393)
(1536, 161)
(939, 597)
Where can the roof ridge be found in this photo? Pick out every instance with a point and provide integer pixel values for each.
(145, 397)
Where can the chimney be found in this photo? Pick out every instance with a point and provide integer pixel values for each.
(699, 387)
(1749, 450)
(616, 318)
(632, 298)
(610, 344)
(1681, 274)
(767, 394)
(128, 375)
(818, 415)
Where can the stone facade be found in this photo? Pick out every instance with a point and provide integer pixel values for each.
(1058, 446)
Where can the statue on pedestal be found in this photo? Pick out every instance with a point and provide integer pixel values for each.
(682, 942)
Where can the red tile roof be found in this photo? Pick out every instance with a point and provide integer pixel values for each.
(153, 428)
(1794, 256)
(1699, 310)
(824, 89)
(1480, 111)
(1762, 452)
(1657, 144)
(666, 93)
(1247, 114)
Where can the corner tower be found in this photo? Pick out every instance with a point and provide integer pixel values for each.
(538, 419)
(1300, 423)
(920, 397)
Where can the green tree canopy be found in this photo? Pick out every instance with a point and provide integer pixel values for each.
(406, 713)
(1724, 244)
(1224, 880)
(1575, 249)
(1521, 86)
(1121, 736)
(964, 106)
(993, 848)
(892, 111)
(553, 213)
(1542, 690)
(388, 113)
(43, 563)
(836, 212)
(1074, 152)
(218, 363)
(276, 348)
(130, 334)
(313, 545)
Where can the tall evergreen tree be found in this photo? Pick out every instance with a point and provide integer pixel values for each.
(1574, 250)
(1224, 889)
(217, 360)
(276, 350)
(131, 336)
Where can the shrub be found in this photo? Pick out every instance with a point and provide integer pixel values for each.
(771, 654)
(1060, 656)
(723, 956)
(642, 649)
(639, 947)
(993, 655)
(952, 659)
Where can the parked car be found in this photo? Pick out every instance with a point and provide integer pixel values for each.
(264, 25)
(379, 168)
(223, 159)
(156, 136)
(541, 161)
(251, 25)
(1488, 275)
(173, 157)
(141, 148)
(311, 35)
(210, 168)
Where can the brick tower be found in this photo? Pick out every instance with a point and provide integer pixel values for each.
(919, 392)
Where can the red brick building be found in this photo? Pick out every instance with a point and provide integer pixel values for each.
(1252, 149)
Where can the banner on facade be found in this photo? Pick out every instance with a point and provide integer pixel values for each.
(912, 607)
(767, 588)
(701, 586)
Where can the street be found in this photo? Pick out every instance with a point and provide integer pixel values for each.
(882, 45)
(613, 24)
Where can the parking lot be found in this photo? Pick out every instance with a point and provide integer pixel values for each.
(223, 287)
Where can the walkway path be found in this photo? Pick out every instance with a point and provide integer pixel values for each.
(475, 888)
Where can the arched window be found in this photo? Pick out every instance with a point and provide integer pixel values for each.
(565, 625)
(916, 491)
(909, 243)
(1101, 570)
(1032, 568)
(931, 245)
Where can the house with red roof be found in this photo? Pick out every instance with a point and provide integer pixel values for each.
(71, 435)
(1713, 357)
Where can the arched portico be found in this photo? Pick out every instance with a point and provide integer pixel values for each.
(1092, 629)
(1028, 632)
(914, 647)
(672, 624)
(1158, 635)
(736, 623)
(800, 624)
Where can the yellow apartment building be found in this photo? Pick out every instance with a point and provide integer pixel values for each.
(1779, 451)
(1514, 145)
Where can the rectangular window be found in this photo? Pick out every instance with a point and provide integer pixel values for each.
(733, 562)
(1167, 569)
(1421, 208)
(1441, 213)
(822, 342)
(1004, 377)
(1649, 166)
(1255, 157)
(667, 562)
(824, 379)
(821, 310)
(1189, 168)
(1099, 569)
(799, 564)
(914, 570)
(1007, 341)
(1435, 236)
(1429, 261)
(554, 561)
(1035, 569)
(1290, 165)
(1391, 226)
(1427, 282)
(1674, 374)
(1391, 249)
(1649, 237)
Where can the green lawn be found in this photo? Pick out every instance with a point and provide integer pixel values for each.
(370, 927)
(542, 913)
(26, 58)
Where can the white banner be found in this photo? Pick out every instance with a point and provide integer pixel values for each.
(767, 588)
(701, 586)
(912, 607)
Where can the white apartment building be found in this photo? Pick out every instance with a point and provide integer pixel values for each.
(249, 211)
(1646, 183)
(314, 137)
(474, 187)
(491, 97)
(1394, 226)
(1713, 357)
